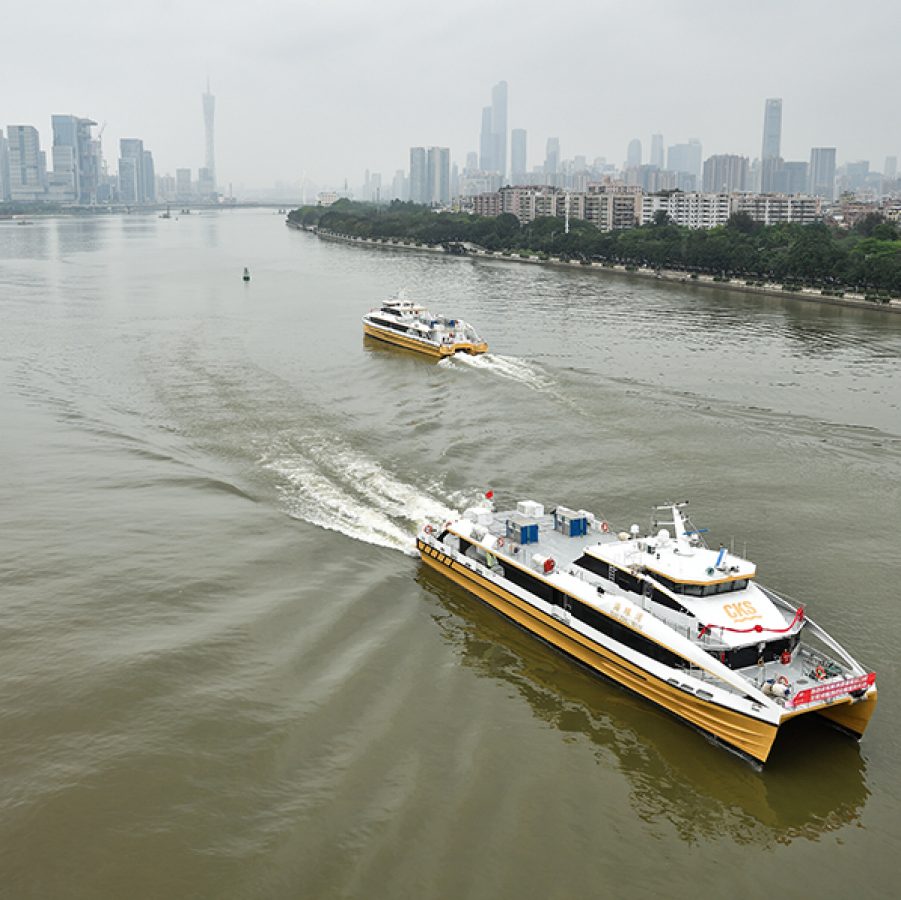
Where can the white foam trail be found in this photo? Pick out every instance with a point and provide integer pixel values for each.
(509, 367)
(337, 488)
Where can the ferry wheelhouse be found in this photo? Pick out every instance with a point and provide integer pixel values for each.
(407, 324)
(684, 625)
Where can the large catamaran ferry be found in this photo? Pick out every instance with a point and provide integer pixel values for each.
(662, 614)
(407, 324)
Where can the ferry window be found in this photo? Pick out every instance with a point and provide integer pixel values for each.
(627, 581)
(528, 581)
(594, 565)
(619, 632)
(665, 600)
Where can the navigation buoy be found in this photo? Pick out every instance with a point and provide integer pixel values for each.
(246, 274)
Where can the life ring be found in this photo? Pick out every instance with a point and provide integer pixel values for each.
(500, 543)
(782, 680)
(428, 529)
(605, 527)
(820, 673)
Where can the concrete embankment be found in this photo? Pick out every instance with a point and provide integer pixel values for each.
(855, 301)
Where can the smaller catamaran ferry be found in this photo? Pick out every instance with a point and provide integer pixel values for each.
(664, 615)
(407, 324)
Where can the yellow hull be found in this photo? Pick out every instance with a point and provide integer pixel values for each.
(847, 714)
(751, 736)
(852, 717)
(402, 340)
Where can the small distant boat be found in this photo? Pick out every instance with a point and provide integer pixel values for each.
(404, 323)
(167, 214)
(246, 275)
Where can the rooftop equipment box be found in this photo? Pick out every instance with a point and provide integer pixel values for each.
(570, 522)
(522, 529)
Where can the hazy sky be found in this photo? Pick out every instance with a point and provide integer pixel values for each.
(334, 87)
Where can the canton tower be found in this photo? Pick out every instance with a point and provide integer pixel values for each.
(209, 111)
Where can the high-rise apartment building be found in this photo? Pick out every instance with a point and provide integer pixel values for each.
(890, 169)
(633, 154)
(822, 172)
(792, 178)
(4, 168)
(398, 186)
(27, 165)
(438, 175)
(209, 114)
(725, 173)
(418, 176)
(183, 187)
(518, 155)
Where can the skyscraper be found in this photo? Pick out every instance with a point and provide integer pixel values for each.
(183, 187)
(27, 167)
(149, 177)
(518, 155)
(499, 127)
(633, 154)
(552, 158)
(486, 142)
(4, 168)
(76, 160)
(772, 129)
(418, 176)
(438, 175)
(493, 136)
(770, 154)
(209, 112)
(398, 186)
(890, 169)
(657, 150)
(131, 171)
(822, 172)
(685, 158)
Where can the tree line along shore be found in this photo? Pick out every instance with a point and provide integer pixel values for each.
(864, 260)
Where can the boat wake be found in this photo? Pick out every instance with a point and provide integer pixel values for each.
(337, 488)
(509, 367)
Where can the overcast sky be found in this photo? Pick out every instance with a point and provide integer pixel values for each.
(334, 87)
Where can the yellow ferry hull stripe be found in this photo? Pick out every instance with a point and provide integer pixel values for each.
(752, 736)
(401, 340)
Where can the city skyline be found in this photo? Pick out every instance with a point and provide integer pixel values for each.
(285, 80)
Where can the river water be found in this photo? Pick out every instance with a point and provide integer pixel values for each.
(225, 675)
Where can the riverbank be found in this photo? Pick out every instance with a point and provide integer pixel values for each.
(855, 301)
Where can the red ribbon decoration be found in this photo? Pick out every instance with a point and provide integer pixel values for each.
(799, 617)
